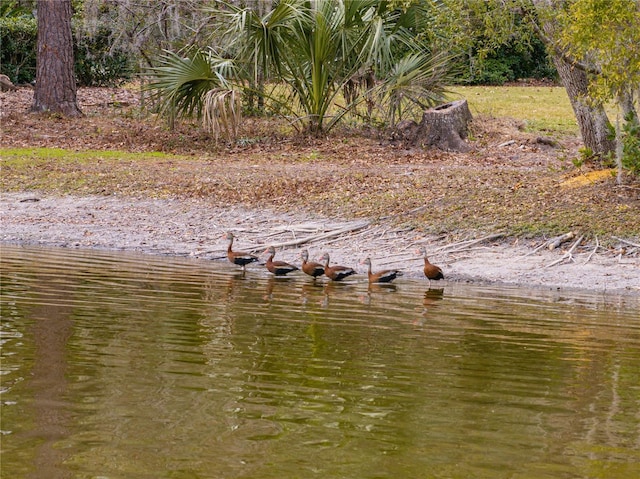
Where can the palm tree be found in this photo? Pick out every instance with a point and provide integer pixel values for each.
(328, 53)
(197, 85)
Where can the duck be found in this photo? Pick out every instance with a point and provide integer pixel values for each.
(335, 273)
(238, 257)
(311, 268)
(279, 268)
(385, 276)
(431, 271)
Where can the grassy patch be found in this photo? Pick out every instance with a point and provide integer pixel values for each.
(17, 155)
(545, 108)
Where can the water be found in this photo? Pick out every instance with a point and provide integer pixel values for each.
(126, 366)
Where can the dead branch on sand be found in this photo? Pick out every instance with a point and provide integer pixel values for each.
(555, 242)
(568, 255)
(552, 243)
(462, 245)
(316, 237)
(594, 250)
(627, 242)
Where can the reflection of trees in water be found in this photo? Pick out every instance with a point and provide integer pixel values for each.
(52, 328)
(246, 378)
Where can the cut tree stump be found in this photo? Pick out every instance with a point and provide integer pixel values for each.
(444, 127)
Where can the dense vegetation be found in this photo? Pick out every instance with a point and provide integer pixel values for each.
(112, 48)
(393, 55)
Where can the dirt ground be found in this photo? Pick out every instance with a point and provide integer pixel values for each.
(164, 209)
(188, 228)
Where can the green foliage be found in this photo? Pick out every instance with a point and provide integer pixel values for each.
(491, 39)
(631, 144)
(96, 63)
(18, 48)
(12, 8)
(318, 50)
(509, 62)
(606, 35)
(183, 86)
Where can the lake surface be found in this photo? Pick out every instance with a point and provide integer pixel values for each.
(130, 366)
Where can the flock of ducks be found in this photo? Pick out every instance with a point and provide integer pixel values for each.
(316, 269)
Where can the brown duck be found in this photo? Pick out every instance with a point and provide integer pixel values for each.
(238, 257)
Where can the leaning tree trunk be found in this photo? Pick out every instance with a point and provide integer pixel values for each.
(594, 124)
(444, 127)
(55, 89)
(592, 120)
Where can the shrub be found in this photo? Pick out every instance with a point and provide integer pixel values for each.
(95, 62)
(508, 63)
(18, 48)
(631, 144)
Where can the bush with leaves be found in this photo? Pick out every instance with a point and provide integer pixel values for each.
(96, 62)
(18, 48)
(330, 55)
(631, 143)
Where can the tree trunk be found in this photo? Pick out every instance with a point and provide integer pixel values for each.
(592, 120)
(594, 124)
(55, 89)
(444, 127)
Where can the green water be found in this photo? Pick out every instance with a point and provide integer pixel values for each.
(125, 366)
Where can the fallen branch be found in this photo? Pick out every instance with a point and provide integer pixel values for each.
(467, 244)
(626, 242)
(568, 254)
(555, 242)
(594, 251)
(537, 249)
(314, 238)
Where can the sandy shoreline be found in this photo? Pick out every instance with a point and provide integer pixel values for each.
(195, 229)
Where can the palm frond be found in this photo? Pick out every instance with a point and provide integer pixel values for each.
(179, 84)
(417, 78)
(222, 113)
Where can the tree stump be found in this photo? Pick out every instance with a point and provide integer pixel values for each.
(444, 127)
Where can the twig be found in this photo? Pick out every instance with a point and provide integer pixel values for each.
(537, 249)
(568, 254)
(318, 237)
(467, 244)
(594, 251)
(630, 243)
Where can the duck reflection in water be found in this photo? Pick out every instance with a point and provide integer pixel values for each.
(309, 291)
(335, 289)
(272, 281)
(376, 289)
(430, 301)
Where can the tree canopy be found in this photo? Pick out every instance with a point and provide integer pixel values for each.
(605, 35)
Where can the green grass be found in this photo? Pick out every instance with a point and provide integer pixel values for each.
(544, 108)
(14, 155)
